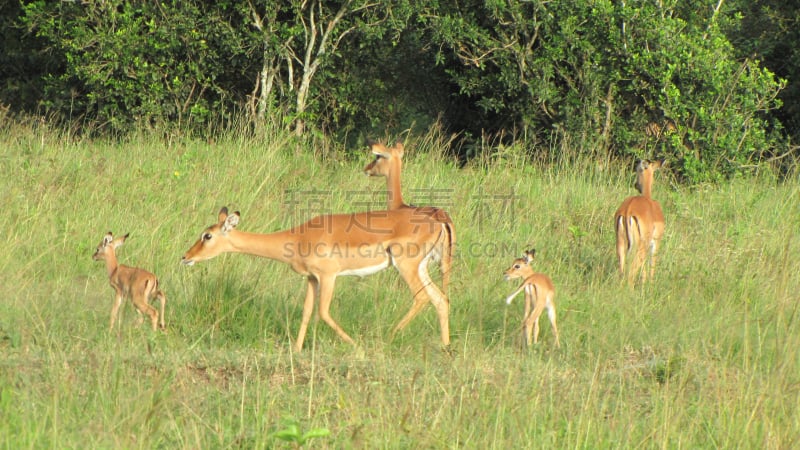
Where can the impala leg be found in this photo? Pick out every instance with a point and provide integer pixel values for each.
(308, 308)
(325, 297)
(622, 244)
(551, 314)
(658, 233)
(162, 300)
(653, 251)
(415, 273)
(408, 270)
(639, 239)
(150, 291)
(140, 302)
(419, 302)
(115, 309)
(442, 305)
(137, 304)
(639, 268)
(532, 322)
(529, 303)
(446, 263)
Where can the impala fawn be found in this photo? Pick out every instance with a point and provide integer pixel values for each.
(539, 293)
(639, 224)
(139, 285)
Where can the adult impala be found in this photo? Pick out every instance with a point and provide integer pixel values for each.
(388, 163)
(137, 284)
(330, 246)
(539, 296)
(639, 224)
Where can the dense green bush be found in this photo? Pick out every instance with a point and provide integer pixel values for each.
(599, 72)
(587, 76)
(138, 63)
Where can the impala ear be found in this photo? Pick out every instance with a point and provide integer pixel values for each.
(529, 255)
(223, 213)
(377, 148)
(119, 241)
(107, 239)
(400, 148)
(230, 222)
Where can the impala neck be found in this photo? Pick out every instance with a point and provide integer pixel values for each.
(272, 245)
(647, 186)
(111, 263)
(394, 191)
(527, 272)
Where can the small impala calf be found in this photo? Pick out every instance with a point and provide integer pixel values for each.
(639, 223)
(539, 293)
(139, 285)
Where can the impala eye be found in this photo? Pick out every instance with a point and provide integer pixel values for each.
(517, 266)
(207, 237)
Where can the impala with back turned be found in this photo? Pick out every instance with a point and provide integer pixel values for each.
(639, 223)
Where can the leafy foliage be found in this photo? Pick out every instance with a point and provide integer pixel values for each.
(155, 64)
(585, 76)
(769, 30)
(599, 72)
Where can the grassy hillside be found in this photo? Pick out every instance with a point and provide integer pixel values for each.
(707, 356)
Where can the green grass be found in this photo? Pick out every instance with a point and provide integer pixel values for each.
(707, 356)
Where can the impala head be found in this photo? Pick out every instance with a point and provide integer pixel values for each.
(213, 240)
(385, 158)
(644, 173)
(521, 268)
(108, 246)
